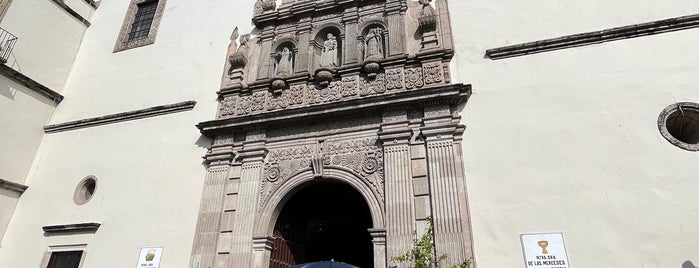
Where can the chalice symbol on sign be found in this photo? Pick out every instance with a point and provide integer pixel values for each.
(543, 244)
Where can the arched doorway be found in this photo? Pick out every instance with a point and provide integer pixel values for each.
(323, 221)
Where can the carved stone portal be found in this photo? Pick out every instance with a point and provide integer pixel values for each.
(339, 91)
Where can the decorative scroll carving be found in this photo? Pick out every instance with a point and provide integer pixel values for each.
(252, 103)
(290, 153)
(227, 107)
(433, 73)
(324, 95)
(292, 97)
(349, 86)
(413, 78)
(376, 86)
(363, 156)
(394, 79)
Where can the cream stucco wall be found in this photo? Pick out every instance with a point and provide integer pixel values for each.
(150, 172)
(567, 141)
(48, 39)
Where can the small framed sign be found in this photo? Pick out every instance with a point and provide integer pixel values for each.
(544, 251)
(150, 257)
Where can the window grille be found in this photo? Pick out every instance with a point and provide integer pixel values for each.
(143, 20)
(65, 259)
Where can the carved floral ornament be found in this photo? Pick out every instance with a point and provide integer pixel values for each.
(363, 156)
(347, 88)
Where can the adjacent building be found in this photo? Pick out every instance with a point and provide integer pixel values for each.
(174, 133)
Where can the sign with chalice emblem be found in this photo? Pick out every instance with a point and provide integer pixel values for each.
(150, 257)
(544, 251)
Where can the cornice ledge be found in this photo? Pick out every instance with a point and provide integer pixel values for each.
(90, 227)
(121, 117)
(589, 38)
(452, 94)
(72, 12)
(31, 84)
(13, 186)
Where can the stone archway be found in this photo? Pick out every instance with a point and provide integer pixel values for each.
(273, 208)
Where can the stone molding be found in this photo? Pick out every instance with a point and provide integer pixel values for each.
(123, 42)
(448, 94)
(13, 186)
(121, 117)
(31, 84)
(590, 38)
(90, 227)
(73, 13)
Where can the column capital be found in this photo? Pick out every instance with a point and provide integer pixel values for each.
(262, 242)
(219, 155)
(254, 154)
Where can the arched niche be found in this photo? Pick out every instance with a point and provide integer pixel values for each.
(279, 55)
(364, 34)
(321, 35)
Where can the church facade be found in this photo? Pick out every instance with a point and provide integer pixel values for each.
(174, 133)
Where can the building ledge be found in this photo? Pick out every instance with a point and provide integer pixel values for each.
(121, 117)
(13, 186)
(72, 12)
(30, 83)
(90, 227)
(590, 38)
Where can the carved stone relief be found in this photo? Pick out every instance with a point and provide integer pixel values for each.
(292, 97)
(227, 106)
(252, 103)
(413, 78)
(433, 73)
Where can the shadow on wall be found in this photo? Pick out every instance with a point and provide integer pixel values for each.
(688, 264)
(8, 91)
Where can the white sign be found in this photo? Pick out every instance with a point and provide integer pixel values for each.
(149, 258)
(544, 251)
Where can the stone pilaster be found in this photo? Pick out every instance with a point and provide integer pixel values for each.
(207, 231)
(350, 20)
(446, 184)
(265, 66)
(305, 50)
(444, 24)
(252, 157)
(400, 220)
(396, 27)
(262, 249)
(379, 240)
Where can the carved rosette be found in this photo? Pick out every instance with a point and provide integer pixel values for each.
(433, 73)
(331, 93)
(227, 107)
(413, 78)
(292, 97)
(373, 87)
(394, 79)
(252, 103)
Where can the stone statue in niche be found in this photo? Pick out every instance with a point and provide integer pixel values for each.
(329, 55)
(284, 62)
(427, 9)
(374, 44)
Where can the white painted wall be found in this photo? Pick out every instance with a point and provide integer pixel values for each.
(150, 172)
(567, 141)
(49, 39)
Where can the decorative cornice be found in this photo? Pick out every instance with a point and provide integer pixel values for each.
(589, 38)
(30, 83)
(121, 117)
(90, 227)
(72, 12)
(451, 94)
(13, 186)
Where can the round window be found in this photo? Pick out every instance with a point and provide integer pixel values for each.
(85, 190)
(679, 124)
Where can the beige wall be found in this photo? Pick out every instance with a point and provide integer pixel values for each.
(48, 39)
(150, 172)
(567, 141)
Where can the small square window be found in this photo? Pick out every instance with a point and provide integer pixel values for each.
(140, 24)
(65, 259)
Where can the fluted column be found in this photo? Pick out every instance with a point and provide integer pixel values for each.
(211, 207)
(400, 215)
(350, 19)
(446, 186)
(378, 238)
(252, 157)
(395, 12)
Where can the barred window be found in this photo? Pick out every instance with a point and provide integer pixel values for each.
(65, 259)
(143, 20)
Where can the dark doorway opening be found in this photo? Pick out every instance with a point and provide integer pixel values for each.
(323, 221)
